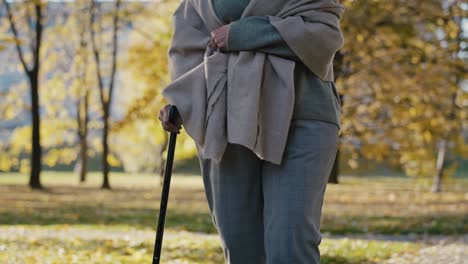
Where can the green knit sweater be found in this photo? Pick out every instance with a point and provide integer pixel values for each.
(315, 99)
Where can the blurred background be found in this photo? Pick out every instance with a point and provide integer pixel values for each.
(82, 151)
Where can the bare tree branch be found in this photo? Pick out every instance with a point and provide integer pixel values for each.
(16, 35)
(31, 33)
(96, 51)
(115, 46)
(38, 30)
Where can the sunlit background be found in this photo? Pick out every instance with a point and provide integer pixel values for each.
(82, 80)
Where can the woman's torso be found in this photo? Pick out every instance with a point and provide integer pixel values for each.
(314, 98)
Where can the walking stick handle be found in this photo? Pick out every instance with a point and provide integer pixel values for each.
(174, 116)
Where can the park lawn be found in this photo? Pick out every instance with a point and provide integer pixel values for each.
(97, 244)
(80, 223)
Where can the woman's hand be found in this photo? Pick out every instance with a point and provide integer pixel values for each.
(219, 37)
(164, 118)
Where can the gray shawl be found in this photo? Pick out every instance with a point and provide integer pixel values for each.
(247, 97)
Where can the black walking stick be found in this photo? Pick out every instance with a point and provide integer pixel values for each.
(174, 118)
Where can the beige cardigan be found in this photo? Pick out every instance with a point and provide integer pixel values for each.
(247, 97)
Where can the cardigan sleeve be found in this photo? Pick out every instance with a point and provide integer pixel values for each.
(257, 33)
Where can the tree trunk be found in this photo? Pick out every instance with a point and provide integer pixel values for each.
(437, 184)
(33, 77)
(82, 108)
(452, 117)
(83, 159)
(34, 179)
(105, 152)
(106, 101)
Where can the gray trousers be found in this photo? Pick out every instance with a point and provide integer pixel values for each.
(267, 213)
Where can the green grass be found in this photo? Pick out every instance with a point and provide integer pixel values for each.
(62, 224)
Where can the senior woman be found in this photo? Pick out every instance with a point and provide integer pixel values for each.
(267, 208)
